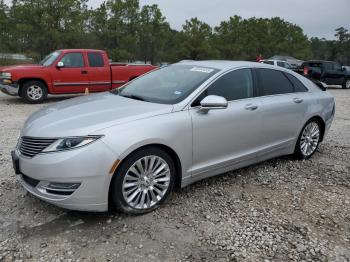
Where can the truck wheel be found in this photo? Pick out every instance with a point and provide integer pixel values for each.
(346, 84)
(34, 92)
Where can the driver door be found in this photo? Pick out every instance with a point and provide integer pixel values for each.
(73, 76)
(226, 138)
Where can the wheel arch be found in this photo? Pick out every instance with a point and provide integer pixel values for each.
(322, 123)
(174, 156)
(26, 79)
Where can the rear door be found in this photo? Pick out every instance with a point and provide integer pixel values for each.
(283, 108)
(99, 72)
(73, 76)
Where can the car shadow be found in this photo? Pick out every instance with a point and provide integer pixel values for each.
(13, 100)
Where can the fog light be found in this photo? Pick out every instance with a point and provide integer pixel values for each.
(64, 189)
(7, 81)
(64, 186)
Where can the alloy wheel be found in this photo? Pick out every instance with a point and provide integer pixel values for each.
(35, 92)
(310, 139)
(146, 182)
(347, 84)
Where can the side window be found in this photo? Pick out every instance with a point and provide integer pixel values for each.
(328, 66)
(281, 64)
(273, 82)
(95, 60)
(298, 85)
(235, 85)
(337, 67)
(73, 60)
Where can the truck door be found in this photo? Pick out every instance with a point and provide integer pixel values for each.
(334, 75)
(99, 73)
(70, 74)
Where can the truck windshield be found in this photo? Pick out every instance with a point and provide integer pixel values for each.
(48, 60)
(168, 85)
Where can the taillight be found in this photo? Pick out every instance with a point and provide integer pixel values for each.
(306, 71)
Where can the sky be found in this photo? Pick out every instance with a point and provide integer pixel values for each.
(317, 17)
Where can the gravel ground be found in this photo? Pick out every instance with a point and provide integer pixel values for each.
(279, 210)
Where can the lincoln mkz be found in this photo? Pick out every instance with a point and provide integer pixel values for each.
(130, 147)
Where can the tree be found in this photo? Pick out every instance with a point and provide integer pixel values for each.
(245, 38)
(116, 23)
(153, 31)
(4, 27)
(42, 26)
(196, 40)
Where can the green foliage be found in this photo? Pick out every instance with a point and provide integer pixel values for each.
(129, 33)
(245, 38)
(196, 41)
(335, 50)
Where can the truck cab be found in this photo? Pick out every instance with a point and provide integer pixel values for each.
(68, 71)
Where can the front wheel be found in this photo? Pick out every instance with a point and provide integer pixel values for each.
(346, 84)
(143, 181)
(309, 139)
(33, 92)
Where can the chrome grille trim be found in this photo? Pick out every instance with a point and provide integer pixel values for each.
(31, 146)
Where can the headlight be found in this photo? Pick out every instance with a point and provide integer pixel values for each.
(70, 143)
(5, 75)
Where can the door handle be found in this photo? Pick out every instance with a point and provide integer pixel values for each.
(298, 100)
(84, 72)
(251, 107)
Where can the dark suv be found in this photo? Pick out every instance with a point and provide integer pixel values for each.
(331, 73)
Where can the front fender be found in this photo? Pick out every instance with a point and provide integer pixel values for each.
(173, 130)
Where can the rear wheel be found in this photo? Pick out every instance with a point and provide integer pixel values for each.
(309, 139)
(143, 181)
(33, 92)
(346, 84)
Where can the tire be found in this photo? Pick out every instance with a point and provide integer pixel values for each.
(309, 139)
(135, 192)
(346, 84)
(33, 92)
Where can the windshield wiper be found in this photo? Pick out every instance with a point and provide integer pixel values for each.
(133, 97)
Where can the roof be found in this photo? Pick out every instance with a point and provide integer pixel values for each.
(284, 61)
(319, 61)
(81, 50)
(221, 64)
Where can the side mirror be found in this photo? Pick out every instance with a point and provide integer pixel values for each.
(213, 102)
(60, 64)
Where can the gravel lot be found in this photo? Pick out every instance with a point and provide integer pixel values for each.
(278, 210)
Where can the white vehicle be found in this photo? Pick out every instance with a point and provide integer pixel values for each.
(279, 63)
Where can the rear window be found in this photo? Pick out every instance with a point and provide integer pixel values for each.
(95, 60)
(313, 64)
(273, 82)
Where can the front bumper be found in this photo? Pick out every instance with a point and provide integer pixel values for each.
(88, 166)
(9, 88)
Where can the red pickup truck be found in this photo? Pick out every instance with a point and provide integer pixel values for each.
(67, 71)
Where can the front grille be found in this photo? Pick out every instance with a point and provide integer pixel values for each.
(30, 181)
(31, 146)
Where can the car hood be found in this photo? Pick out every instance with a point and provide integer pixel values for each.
(88, 114)
(19, 67)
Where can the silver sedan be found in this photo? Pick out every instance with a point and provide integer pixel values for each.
(129, 148)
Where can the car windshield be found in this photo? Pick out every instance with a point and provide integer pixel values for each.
(48, 60)
(168, 85)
